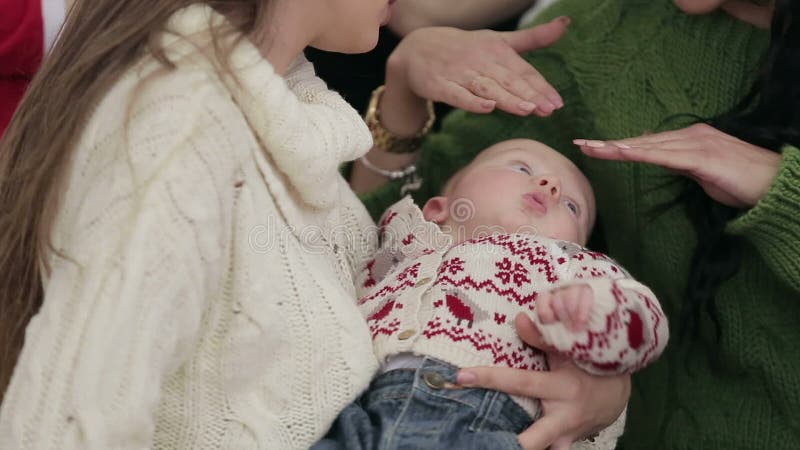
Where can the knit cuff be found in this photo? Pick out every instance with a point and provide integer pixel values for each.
(626, 329)
(563, 338)
(772, 225)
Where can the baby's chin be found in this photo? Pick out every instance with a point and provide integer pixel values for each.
(565, 236)
(461, 233)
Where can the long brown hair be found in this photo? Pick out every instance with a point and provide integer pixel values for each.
(101, 39)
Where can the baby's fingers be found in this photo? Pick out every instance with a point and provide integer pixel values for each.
(572, 306)
(585, 303)
(559, 304)
(544, 308)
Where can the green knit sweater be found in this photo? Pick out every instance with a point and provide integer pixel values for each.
(624, 68)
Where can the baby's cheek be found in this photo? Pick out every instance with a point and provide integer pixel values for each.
(569, 231)
(526, 227)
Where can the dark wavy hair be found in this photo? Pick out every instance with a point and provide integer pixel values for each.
(769, 116)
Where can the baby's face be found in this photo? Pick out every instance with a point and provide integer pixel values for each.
(520, 186)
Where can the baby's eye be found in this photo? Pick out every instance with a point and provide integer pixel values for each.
(572, 206)
(522, 168)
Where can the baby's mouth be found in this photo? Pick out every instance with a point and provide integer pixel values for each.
(536, 201)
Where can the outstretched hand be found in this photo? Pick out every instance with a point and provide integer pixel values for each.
(477, 70)
(575, 403)
(731, 171)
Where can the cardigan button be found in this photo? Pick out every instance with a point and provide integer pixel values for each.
(434, 380)
(404, 335)
(422, 281)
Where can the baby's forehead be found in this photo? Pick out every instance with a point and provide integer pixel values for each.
(524, 148)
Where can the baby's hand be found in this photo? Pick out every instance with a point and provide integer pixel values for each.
(570, 305)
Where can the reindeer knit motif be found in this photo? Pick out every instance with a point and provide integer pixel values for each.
(457, 302)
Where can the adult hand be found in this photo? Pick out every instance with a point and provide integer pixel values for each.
(575, 403)
(476, 70)
(731, 171)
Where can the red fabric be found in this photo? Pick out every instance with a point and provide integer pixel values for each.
(21, 52)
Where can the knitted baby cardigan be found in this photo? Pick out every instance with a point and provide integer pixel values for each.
(457, 303)
(205, 296)
(626, 67)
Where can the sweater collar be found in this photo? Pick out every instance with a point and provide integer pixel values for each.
(403, 226)
(307, 130)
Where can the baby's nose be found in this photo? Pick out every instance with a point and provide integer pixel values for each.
(552, 183)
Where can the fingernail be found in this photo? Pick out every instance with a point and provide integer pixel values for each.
(547, 107)
(596, 144)
(557, 101)
(579, 141)
(527, 106)
(488, 104)
(621, 145)
(565, 20)
(466, 378)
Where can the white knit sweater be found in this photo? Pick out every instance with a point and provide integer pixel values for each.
(204, 296)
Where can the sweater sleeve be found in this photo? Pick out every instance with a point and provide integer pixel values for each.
(142, 259)
(627, 328)
(772, 225)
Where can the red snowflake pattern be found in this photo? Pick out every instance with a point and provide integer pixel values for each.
(512, 271)
(411, 272)
(452, 266)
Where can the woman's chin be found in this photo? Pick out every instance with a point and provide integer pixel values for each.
(698, 6)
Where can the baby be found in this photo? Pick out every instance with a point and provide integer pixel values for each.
(505, 236)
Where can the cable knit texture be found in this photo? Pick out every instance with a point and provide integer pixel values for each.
(626, 67)
(458, 303)
(202, 294)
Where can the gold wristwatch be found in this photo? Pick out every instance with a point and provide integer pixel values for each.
(385, 139)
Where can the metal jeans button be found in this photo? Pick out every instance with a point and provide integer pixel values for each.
(434, 380)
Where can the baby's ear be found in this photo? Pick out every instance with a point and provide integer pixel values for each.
(437, 209)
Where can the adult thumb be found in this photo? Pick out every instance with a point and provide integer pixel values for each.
(537, 37)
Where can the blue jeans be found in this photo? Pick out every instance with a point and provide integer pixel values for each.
(412, 409)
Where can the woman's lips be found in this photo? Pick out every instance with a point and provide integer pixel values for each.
(536, 201)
